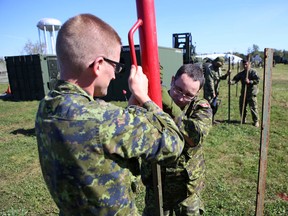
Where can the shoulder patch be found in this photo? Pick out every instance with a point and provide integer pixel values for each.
(205, 104)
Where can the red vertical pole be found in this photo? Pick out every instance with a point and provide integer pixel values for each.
(151, 67)
(149, 48)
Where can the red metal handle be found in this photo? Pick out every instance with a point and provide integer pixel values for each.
(131, 41)
(150, 64)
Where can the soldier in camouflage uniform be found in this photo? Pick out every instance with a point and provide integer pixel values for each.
(88, 149)
(183, 180)
(251, 82)
(213, 75)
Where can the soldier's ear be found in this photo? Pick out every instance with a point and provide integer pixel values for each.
(97, 66)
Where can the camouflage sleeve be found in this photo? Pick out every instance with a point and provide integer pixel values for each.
(209, 82)
(145, 132)
(224, 76)
(254, 78)
(236, 78)
(196, 123)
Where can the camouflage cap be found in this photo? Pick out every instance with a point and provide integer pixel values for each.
(219, 60)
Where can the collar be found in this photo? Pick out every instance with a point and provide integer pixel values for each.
(64, 87)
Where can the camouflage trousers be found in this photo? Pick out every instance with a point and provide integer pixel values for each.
(180, 197)
(252, 101)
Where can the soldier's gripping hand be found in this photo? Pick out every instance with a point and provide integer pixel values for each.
(138, 84)
(247, 81)
(228, 73)
(231, 82)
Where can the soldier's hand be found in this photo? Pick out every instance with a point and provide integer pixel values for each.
(138, 84)
(230, 82)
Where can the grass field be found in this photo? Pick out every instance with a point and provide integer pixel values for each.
(231, 153)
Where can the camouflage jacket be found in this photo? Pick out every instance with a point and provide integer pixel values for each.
(252, 87)
(89, 149)
(212, 81)
(194, 122)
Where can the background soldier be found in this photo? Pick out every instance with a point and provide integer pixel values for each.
(183, 180)
(251, 81)
(213, 75)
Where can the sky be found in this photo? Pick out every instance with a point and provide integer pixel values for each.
(216, 26)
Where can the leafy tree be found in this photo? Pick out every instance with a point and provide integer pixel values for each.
(278, 52)
(33, 48)
(285, 54)
(280, 56)
(249, 50)
(255, 49)
(241, 55)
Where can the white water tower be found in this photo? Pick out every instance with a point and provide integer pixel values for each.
(48, 25)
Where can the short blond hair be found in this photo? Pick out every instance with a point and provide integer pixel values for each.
(81, 38)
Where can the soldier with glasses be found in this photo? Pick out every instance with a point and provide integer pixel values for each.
(183, 180)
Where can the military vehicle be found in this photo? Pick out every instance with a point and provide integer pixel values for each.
(32, 76)
(182, 52)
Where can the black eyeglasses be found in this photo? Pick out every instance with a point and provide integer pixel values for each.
(118, 67)
(177, 91)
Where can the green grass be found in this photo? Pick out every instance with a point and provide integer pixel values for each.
(231, 153)
(22, 189)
